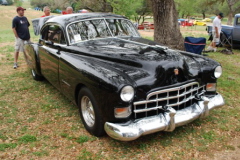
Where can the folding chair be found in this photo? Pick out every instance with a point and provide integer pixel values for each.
(226, 38)
(195, 45)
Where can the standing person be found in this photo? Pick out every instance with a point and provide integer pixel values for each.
(69, 10)
(20, 29)
(46, 11)
(216, 30)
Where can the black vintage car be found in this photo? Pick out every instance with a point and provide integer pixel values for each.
(124, 85)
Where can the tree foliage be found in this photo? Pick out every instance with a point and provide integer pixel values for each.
(185, 8)
(126, 7)
(94, 5)
(53, 4)
(144, 10)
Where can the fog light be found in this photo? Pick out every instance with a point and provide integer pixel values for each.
(211, 87)
(122, 112)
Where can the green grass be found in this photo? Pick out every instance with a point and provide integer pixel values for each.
(37, 122)
(27, 139)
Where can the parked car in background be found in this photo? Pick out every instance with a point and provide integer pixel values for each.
(146, 25)
(199, 23)
(123, 84)
(230, 35)
(5, 2)
(207, 20)
(185, 22)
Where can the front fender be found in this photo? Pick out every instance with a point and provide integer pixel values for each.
(32, 58)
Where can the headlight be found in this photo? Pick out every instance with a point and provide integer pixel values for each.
(127, 93)
(218, 71)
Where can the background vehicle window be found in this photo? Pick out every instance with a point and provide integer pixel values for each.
(238, 21)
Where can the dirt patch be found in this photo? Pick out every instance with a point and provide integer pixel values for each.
(232, 152)
(192, 31)
(146, 33)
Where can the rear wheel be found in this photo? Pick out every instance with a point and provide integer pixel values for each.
(36, 76)
(90, 113)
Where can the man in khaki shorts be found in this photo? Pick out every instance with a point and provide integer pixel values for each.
(20, 29)
(216, 30)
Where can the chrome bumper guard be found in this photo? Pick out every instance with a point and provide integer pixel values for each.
(167, 121)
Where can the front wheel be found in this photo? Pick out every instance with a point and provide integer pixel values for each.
(89, 112)
(36, 76)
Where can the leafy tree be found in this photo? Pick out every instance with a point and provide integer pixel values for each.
(185, 7)
(201, 6)
(143, 11)
(166, 28)
(230, 7)
(94, 5)
(53, 4)
(234, 7)
(126, 7)
(10, 2)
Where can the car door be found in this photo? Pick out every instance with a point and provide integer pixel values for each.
(49, 53)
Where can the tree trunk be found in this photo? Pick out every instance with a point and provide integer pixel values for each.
(166, 28)
(230, 18)
(203, 14)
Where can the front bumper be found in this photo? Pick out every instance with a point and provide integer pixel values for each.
(167, 121)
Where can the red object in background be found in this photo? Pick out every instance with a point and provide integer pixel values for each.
(146, 25)
(186, 23)
(64, 12)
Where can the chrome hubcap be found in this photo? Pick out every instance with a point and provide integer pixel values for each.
(87, 111)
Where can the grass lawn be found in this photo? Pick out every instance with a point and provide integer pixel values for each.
(37, 122)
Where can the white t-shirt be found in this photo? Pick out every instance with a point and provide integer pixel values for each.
(217, 23)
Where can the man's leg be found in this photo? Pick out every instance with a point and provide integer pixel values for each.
(15, 65)
(210, 47)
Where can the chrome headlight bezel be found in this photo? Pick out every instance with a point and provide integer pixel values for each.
(127, 93)
(218, 72)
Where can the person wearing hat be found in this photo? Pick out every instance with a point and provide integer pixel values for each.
(216, 30)
(20, 29)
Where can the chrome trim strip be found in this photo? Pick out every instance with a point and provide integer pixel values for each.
(163, 122)
(173, 89)
(147, 109)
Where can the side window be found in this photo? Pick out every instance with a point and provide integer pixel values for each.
(53, 33)
(238, 21)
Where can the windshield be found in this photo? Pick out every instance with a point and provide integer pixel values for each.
(100, 28)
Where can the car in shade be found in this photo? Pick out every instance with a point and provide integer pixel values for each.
(124, 85)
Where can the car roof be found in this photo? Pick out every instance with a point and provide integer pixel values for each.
(68, 18)
(64, 20)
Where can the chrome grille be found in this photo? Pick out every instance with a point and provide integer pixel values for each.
(177, 98)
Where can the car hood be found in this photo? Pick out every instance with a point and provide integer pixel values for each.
(143, 63)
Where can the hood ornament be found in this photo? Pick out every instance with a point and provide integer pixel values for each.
(176, 71)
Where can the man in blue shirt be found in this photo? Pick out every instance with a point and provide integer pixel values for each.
(20, 29)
